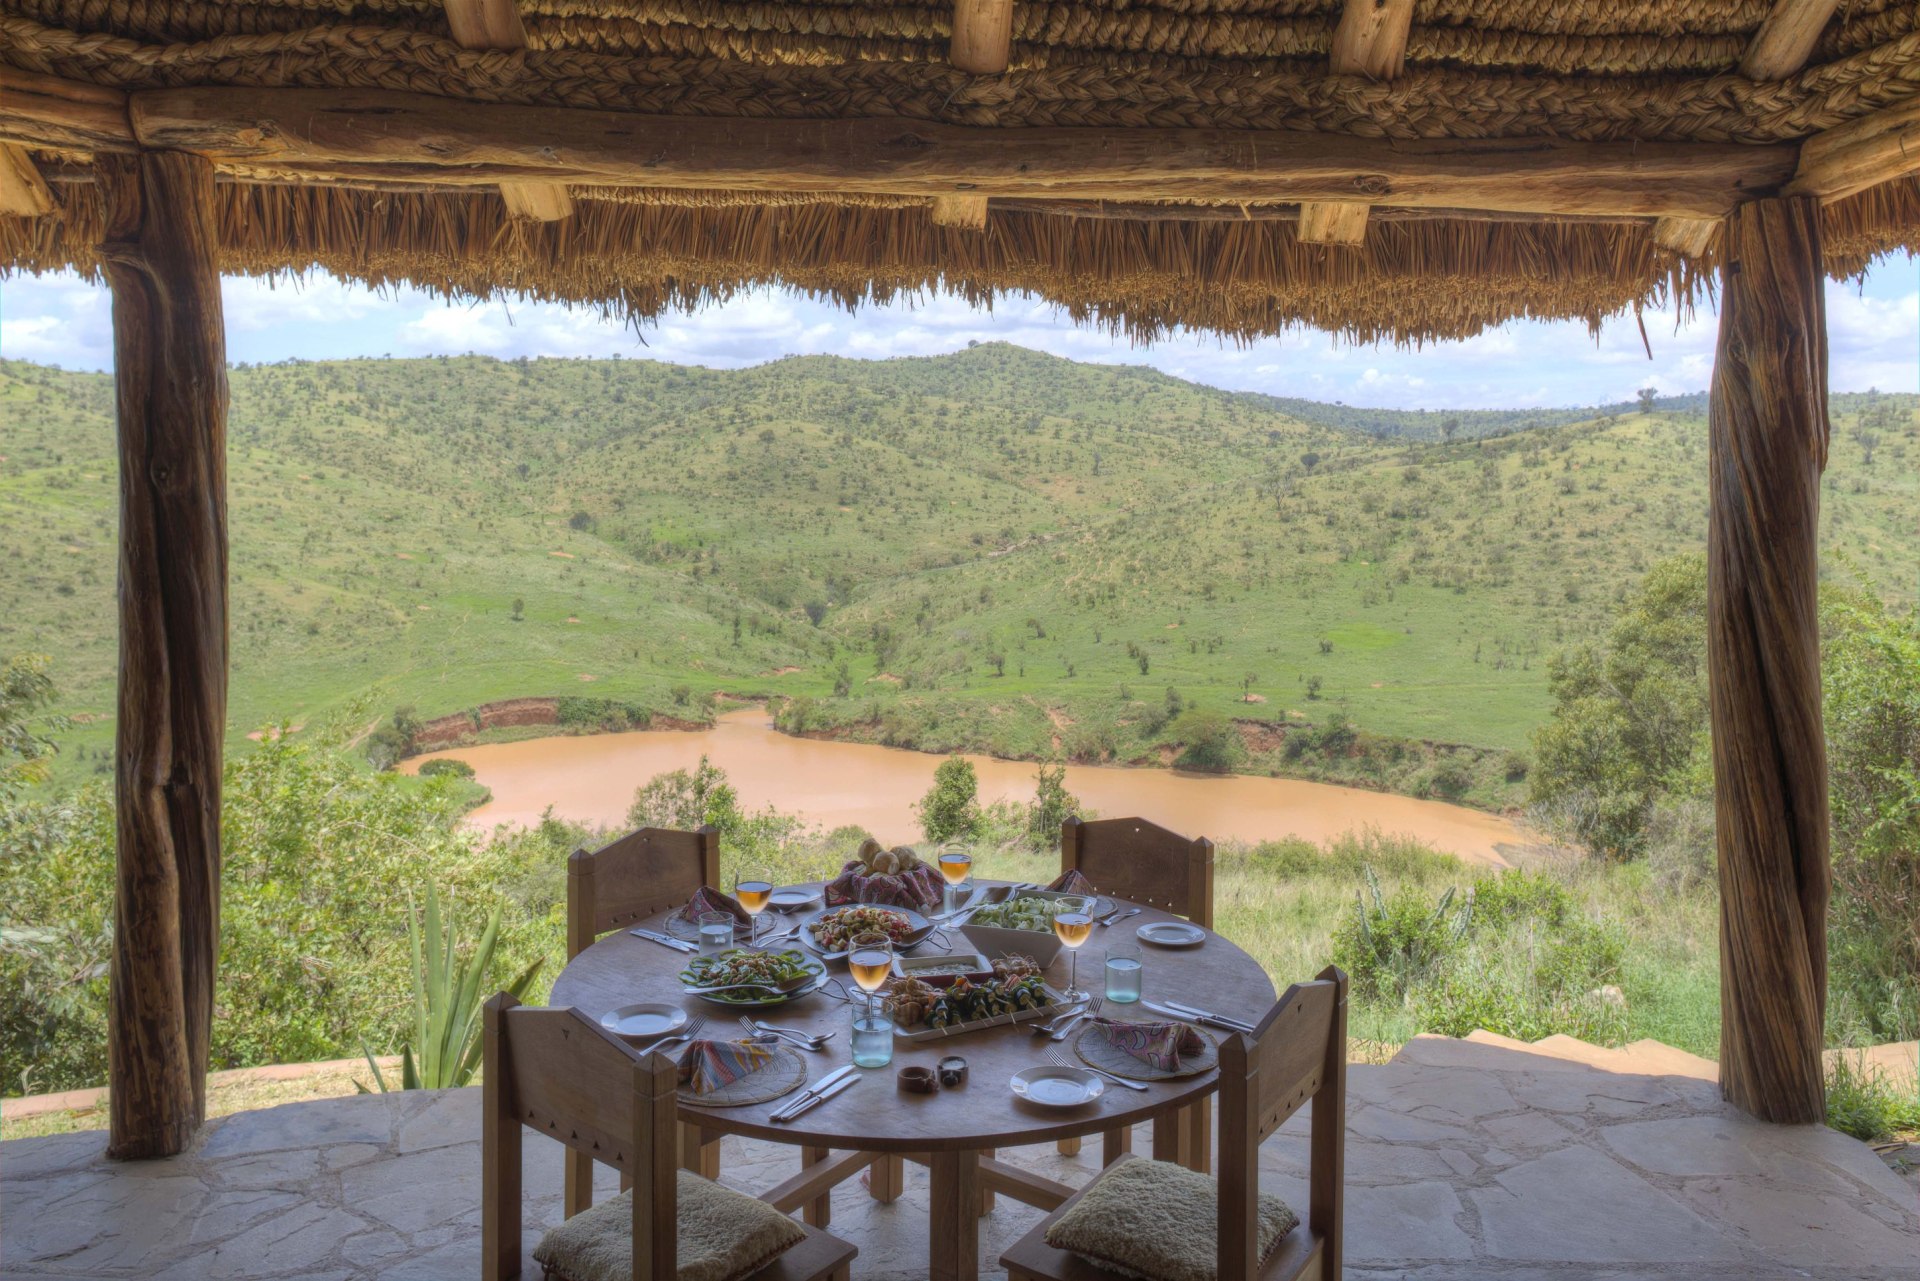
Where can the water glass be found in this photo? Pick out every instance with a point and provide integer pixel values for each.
(872, 1037)
(1123, 973)
(716, 932)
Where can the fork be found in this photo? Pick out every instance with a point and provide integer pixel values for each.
(693, 1030)
(1093, 1008)
(802, 1039)
(1059, 1059)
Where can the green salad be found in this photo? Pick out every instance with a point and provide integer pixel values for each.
(1034, 914)
(741, 965)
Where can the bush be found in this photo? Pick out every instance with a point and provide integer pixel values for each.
(1868, 1104)
(446, 767)
(1391, 944)
(951, 810)
(1052, 806)
(1207, 739)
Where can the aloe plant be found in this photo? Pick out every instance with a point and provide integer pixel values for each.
(448, 1000)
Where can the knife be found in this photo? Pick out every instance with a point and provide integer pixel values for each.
(812, 1092)
(1199, 1013)
(678, 945)
(1211, 1020)
(807, 1105)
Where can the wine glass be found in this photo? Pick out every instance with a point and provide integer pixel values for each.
(869, 959)
(956, 864)
(1073, 923)
(754, 895)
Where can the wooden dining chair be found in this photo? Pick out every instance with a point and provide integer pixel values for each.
(1134, 859)
(1297, 1053)
(557, 1072)
(637, 876)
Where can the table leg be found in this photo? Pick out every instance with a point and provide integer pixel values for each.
(1115, 1144)
(953, 1244)
(1184, 1136)
(887, 1177)
(699, 1151)
(817, 1213)
(986, 1193)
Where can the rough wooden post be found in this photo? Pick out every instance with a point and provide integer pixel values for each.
(1769, 447)
(170, 373)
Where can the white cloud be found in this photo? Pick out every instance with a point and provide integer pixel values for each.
(1874, 335)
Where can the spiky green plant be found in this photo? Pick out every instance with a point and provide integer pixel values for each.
(447, 1003)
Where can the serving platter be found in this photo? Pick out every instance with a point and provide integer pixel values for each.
(921, 928)
(1056, 1004)
(753, 999)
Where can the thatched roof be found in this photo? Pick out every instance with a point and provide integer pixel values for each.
(1625, 71)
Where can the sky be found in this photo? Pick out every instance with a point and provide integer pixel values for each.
(1873, 334)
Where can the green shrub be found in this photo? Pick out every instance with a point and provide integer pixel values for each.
(446, 767)
(1392, 943)
(950, 811)
(1868, 1104)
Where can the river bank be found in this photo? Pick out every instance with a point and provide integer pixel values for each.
(831, 783)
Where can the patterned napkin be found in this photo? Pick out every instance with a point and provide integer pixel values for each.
(1072, 881)
(1158, 1045)
(706, 899)
(706, 1066)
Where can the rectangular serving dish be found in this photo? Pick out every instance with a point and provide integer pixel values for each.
(979, 968)
(1057, 1005)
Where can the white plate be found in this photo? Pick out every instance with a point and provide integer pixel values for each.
(1171, 934)
(645, 1021)
(1057, 1087)
(793, 900)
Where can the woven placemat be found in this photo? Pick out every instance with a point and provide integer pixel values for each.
(787, 1073)
(1097, 1051)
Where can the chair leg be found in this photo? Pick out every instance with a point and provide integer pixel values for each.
(1199, 1122)
(817, 1213)
(986, 1193)
(698, 1152)
(1069, 1147)
(887, 1177)
(579, 1183)
(1115, 1144)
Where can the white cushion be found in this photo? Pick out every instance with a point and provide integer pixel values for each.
(724, 1236)
(1157, 1221)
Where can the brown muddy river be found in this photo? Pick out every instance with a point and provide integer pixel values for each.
(592, 779)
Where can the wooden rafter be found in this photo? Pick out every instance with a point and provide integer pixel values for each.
(496, 24)
(23, 192)
(1370, 41)
(1849, 158)
(1688, 237)
(417, 138)
(982, 36)
(1785, 40)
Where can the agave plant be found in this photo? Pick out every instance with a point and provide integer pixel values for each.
(447, 1003)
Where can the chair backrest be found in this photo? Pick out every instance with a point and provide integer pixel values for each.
(1133, 859)
(642, 873)
(558, 1072)
(1296, 1054)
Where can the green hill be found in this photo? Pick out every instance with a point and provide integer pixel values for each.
(996, 549)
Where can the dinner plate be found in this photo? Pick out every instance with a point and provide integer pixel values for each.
(1171, 934)
(919, 924)
(1057, 1087)
(748, 999)
(793, 900)
(644, 1022)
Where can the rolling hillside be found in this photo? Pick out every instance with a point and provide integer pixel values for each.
(996, 549)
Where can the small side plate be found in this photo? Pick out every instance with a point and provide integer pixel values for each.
(646, 1021)
(1171, 934)
(1057, 1087)
(792, 900)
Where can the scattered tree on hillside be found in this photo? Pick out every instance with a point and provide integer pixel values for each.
(25, 745)
(1646, 396)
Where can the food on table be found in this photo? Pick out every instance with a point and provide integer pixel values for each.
(879, 875)
(1015, 967)
(738, 965)
(914, 1003)
(942, 969)
(1025, 913)
(910, 1001)
(836, 930)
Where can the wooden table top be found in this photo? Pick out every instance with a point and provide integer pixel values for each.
(877, 1116)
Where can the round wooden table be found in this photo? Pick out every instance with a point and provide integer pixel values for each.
(955, 1131)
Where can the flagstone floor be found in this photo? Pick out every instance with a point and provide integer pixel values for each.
(1488, 1164)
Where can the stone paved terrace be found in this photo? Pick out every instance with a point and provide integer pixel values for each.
(1465, 1161)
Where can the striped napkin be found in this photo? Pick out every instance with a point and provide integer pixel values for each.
(1072, 881)
(707, 899)
(706, 1066)
(1158, 1045)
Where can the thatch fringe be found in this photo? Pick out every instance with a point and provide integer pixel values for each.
(775, 73)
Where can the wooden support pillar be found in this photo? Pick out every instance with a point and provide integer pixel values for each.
(1768, 424)
(170, 384)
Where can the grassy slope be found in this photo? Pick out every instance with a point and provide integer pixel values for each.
(386, 514)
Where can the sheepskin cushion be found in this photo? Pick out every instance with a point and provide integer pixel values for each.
(1157, 1221)
(724, 1236)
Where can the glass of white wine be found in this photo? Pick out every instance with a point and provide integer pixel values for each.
(956, 864)
(753, 894)
(869, 961)
(1073, 923)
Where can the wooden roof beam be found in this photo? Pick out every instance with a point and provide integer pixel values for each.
(1786, 39)
(1863, 153)
(23, 192)
(1370, 41)
(496, 24)
(416, 137)
(982, 36)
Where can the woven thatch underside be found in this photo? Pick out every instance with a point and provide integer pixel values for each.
(1411, 282)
